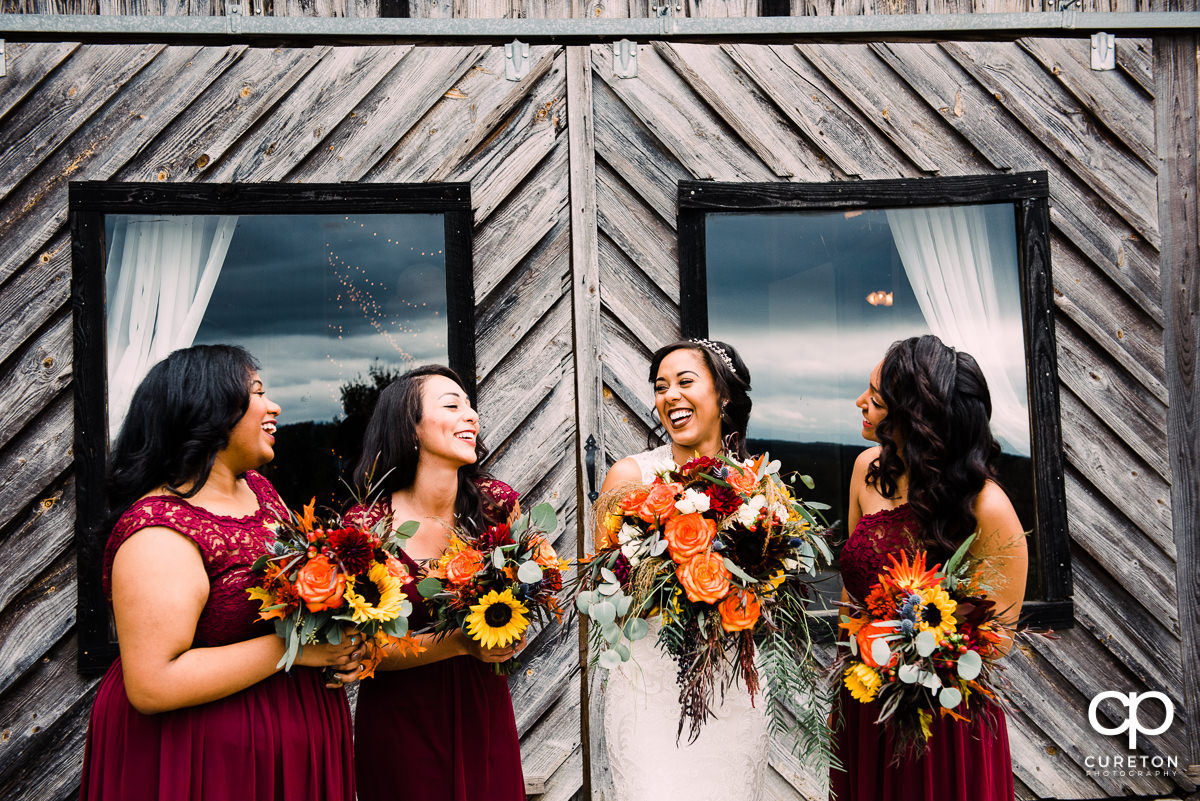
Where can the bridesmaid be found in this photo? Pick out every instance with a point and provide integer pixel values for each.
(928, 484)
(195, 707)
(438, 726)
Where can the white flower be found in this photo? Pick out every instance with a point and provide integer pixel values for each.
(748, 513)
(692, 501)
(628, 534)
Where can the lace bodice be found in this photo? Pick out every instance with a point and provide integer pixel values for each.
(876, 536)
(652, 460)
(228, 546)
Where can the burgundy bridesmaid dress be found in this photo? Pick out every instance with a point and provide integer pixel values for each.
(286, 738)
(443, 731)
(964, 762)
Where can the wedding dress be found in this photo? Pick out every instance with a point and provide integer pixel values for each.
(641, 717)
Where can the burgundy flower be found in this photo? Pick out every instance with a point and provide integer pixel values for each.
(701, 464)
(353, 548)
(722, 501)
(621, 569)
(496, 536)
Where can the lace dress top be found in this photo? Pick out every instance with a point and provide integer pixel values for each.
(875, 538)
(228, 545)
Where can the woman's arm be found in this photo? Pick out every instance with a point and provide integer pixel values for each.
(1001, 548)
(625, 471)
(159, 590)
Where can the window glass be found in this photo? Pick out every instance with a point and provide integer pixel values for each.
(812, 300)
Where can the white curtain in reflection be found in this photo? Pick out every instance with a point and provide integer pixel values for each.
(160, 277)
(967, 286)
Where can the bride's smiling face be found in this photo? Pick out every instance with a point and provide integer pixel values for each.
(686, 399)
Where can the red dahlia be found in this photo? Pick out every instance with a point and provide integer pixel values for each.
(701, 464)
(352, 547)
(722, 501)
(496, 536)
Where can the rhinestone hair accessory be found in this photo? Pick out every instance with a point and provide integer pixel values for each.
(718, 350)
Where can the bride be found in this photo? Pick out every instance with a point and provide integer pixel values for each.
(700, 393)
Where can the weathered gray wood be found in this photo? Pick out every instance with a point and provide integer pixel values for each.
(74, 92)
(37, 619)
(50, 769)
(196, 141)
(713, 76)
(38, 536)
(1057, 119)
(807, 99)
(633, 299)
(683, 125)
(564, 784)
(521, 222)
(721, 8)
(888, 104)
(27, 64)
(38, 291)
(39, 373)
(1127, 337)
(1139, 419)
(551, 743)
(423, 76)
(1135, 57)
(1178, 82)
(1115, 101)
(1106, 238)
(34, 458)
(626, 145)
(642, 235)
(1041, 766)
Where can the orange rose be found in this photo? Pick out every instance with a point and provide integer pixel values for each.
(688, 535)
(320, 584)
(543, 552)
(659, 505)
(704, 578)
(397, 569)
(463, 565)
(633, 501)
(866, 635)
(742, 479)
(739, 611)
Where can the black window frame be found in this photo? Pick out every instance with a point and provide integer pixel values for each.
(1029, 192)
(90, 201)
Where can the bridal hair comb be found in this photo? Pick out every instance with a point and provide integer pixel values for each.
(718, 350)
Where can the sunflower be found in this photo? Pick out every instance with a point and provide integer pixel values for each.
(497, 620)
(936, 612)
(863, 682)
(380, 597)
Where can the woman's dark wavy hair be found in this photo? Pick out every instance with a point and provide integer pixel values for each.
(732, 386)
(180, 417)
(391, 447)
(938, 409)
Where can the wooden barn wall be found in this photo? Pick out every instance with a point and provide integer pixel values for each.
(553, 9)
(374, 114)
(850, 112)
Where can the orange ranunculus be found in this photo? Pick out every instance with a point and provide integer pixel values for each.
(659, 505)
(704, 578)
(633, 501)
(463, 565)
(739, 611)
(866, 636)
(688, 535)
(742, 479)
(320, 584)
(398, 569)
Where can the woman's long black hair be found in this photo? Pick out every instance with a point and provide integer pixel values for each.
(938, 429)
(732, 382)
(391, 447)
(180, 417)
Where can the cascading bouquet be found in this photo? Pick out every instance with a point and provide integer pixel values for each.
(924, 643)
(492, 586)
(323, 576)
(721, 550)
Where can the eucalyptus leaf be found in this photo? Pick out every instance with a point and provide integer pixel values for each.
(608, 575)
(658, 547)
(908, 674)
(931, 681)
(498, 559)
(737, 571)
(623, 601)
(926, 643)
(609, 659)
(583, 601)
(406, 529)
(611, 632)
(543, 518)
(772, 468)
(609, 589)
(636, 628)
(622, 649)
(969, 665)
(604, 612)
(808, 482)
(529, 573)
(334, 635)
(518, 528)
(429, 587)
(880, 652)
(950, 697)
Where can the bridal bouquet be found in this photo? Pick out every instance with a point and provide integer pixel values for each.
(924, 643)
(492, 585)
(323, 576)
(721, 550)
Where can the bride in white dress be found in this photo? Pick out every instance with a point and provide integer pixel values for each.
(700, 393)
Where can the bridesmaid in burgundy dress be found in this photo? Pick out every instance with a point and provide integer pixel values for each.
(437, 726)
(195, 708)
(928, 485)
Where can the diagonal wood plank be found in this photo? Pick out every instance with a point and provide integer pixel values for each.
(1135, 57)
(1058, 120)
(33, 296)
(816, 110)
(631, 297)
(640, 233)
(713, 76)
(27, 64)
(36, 537)
(683, 125)
(76, 91)
(33, 459)
(1117, 102)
